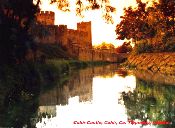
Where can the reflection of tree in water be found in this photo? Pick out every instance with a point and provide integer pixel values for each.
(20, 87)
(150, 101)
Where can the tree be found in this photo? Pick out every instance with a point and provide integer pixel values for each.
(168, 9)
(156, 19)
(105, 46)
(18, 76)
(85, 5)
(124, 48)
(134, 23)
(15, 19)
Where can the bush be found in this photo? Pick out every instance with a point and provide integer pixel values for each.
(169, 44)
(143, 47)
(125, 48)
(166, 45)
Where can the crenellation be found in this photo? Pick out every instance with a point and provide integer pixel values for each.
(46, 12)
(62, 27)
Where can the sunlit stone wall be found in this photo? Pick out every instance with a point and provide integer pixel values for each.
(156, 62)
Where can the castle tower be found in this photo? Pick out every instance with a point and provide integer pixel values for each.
(86, 27)
(46, 18)
(61, 35)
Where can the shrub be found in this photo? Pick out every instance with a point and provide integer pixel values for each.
(143, 47)
(169, 45)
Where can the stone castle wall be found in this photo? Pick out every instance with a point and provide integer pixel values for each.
(45, 34)
(77, 42)
(46, 17)
(156, 62)
(86, 27)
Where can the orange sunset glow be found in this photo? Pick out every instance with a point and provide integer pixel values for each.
(101, 31)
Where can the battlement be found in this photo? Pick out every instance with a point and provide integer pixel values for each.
(84, 26)
(62, 27)
(46, 13)
(84, 23)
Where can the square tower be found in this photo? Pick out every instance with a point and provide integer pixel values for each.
(86, 27)
(46, 18)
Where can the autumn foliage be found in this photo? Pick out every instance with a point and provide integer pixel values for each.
(134, 25)
(124, 48)
(153, 24)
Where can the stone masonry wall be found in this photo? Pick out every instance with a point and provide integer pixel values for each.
(46, 17)
(46, 35)
(156, 62)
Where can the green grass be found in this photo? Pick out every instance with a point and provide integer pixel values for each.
(51, 51)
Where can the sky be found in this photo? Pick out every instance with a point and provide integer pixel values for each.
(101, 31)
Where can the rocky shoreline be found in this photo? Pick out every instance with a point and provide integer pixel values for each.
(155, 62)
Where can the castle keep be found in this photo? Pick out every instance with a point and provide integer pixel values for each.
(46, 18)
(77, 42)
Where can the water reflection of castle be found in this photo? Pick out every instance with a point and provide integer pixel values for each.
(80, 84)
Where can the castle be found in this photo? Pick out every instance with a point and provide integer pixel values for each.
(77, 42)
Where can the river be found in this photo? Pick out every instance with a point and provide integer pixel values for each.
(109, 97)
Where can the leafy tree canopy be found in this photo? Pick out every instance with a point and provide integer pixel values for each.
(145, 22)
(124, 48)
(133, 23)
(15, 19)
(105, 45)
(85, 5)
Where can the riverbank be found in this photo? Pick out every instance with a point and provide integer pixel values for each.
(155, 62)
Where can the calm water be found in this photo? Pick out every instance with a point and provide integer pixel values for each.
(107, 97)
(100, 97)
